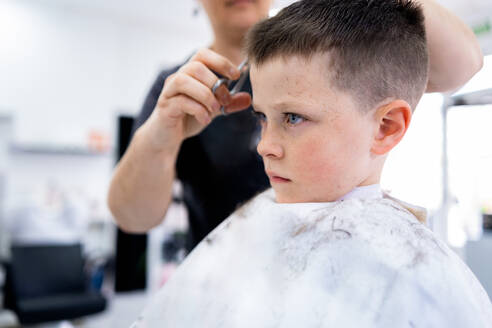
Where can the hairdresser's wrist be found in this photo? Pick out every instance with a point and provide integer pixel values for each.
(152, 139)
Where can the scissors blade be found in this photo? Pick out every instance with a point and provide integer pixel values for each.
(237, 87)
(240, 82)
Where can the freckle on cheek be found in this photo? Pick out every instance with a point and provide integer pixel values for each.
(311, 162)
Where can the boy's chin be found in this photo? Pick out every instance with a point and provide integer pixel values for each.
(280, 200)
(289, 199)
(283, 198)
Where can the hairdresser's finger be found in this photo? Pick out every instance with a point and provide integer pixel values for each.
(217, 63)
(184, 105)
(184, 84)
(239, 102)
(223, 95)
(200, 72)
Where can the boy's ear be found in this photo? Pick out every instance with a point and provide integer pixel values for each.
(393, 120)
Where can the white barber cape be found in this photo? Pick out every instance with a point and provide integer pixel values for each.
(362, 261)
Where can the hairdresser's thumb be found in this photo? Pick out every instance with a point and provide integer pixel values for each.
(239, 102)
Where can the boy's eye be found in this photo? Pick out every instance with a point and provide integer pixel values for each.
(293, 119)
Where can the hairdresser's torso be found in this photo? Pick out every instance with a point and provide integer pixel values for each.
(187, 139)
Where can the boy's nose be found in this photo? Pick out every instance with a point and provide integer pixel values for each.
(269, 146)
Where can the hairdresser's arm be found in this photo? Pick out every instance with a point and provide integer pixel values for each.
(454, 52)
(141, 187)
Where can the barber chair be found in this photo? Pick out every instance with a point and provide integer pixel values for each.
(47, 283)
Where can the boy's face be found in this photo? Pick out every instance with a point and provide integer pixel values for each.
(315, 142)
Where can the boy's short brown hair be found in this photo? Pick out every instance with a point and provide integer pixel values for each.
(377, 48)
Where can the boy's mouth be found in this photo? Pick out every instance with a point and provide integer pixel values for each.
(274, 177)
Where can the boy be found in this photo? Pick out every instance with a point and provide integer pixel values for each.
(334, 84)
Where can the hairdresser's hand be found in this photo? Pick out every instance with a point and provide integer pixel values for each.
(187, 105)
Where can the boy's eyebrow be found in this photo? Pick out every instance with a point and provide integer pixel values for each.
(255, 106)
(285, 105)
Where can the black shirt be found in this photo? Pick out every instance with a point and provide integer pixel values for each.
(219, 168)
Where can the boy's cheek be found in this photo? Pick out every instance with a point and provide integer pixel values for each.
(325, 166)
(315, 162)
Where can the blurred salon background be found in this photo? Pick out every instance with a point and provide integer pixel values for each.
(73, 75)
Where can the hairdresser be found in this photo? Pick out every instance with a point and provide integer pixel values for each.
(181, 134)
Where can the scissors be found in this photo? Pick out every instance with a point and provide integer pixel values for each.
(244, 69)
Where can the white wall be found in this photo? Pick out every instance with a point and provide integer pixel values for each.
(65, 71)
